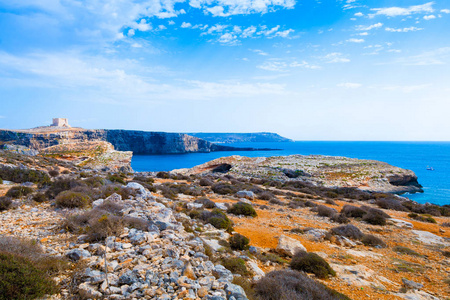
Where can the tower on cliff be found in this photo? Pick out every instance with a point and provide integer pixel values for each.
(60, 122)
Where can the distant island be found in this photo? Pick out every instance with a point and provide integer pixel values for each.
(229, 138)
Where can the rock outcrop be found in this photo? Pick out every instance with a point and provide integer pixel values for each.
(139, 142)
(257, 137)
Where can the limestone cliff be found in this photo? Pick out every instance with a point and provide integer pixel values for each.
(139, 142)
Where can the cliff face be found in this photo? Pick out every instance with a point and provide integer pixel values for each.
(139, 142)
(257, 137)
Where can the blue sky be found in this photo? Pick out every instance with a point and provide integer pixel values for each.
(307, 69)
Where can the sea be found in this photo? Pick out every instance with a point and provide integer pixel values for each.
(416, 156)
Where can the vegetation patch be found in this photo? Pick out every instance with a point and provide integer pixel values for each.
(311, 263)
(238, 242)
(71, 199)
(236, 265)
(19, 191)
(242, 208)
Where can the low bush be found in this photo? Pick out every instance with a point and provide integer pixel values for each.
(276, 201)
(216, 218)
(293, 285)
(163, 175)
(371, 240)
(62, 185)
(311, 263)
(207, 203)
(146, 179)
(224, 189)
(19, 191)
(53, 173)
(238, 242)
(40, 197)
(390, 203)
(70, 199)
(242, 208)
(375, 216)
(247, 285)
(353, 211)
(349, 230)
(340, 218)
(272, 257)
(20, 175)
(325, 211)
(117, 178)
(5, 203)
(422, 218)
(266, 196)
(445, 224)
(125, 192)
(95, 181)
(104, 226)
(236, 266)
(405, 250)
(1, 181)
(206, 182)
(296, 204)
(25, 271)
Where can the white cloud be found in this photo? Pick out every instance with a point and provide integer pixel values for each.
(141, 26)
(228, 39)
(277, 66)
(429, 17)
(370, 27)
(136, 45)
(445, 11)
(131, 32)
(284, 33)
(407, 29)
(304, 64)
(363, 33)
(186, 25)
(335, 57)
(162, 27)
(356, 40)
(359, 14)
(225, 8)
(405, 88)
(171, 22)
(440, 56)
(403, 11)
(248, 32)
(349, 85)
(260, 52)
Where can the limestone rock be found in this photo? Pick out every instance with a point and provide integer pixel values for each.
(288, 246)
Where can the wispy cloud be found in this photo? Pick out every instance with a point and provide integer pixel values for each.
(369, 27)
(335, 57)
(403, 11)
(226, 8)
(353, 40)
(440, 56)
(349, 85)
(406, 29)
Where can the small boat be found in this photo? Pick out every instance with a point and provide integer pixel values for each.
(430, 168)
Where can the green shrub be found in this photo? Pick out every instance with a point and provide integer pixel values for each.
(19, 175)
(236, 265)
(353, 211)
(207, 203)
(349, 230)
(163, 175)
(39, 197)
(325, 211)
(53, 173)
(371, 240)
(104, 226)
(242, 208)
(311, 263)
(19, 191)
(239, 242)
(422, 218)
(293, 285)
(405, 250)
(62, 185)
(1, 181)
(20, 279)
(5, 203)
(117, 178)
(70, 199)
(340, 218)
(375, 216)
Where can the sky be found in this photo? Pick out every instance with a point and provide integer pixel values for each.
(307, 69)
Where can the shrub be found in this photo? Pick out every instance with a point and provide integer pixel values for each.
(239, 242)
(331, 194)
(371, 240)
(146, 179)
(216, 218)
(65, 172)
(242, 208)
(25, 271)
(163, 175)
(40, 197)
(1, 181)
(224, 189)
(125, 192)
(205, 182)
(236, 265)
(405, 250)
(19, 191)
(61, 185)
(117, 178)
(445, 224)
(247, 285)
(206, 202)
(19, 175)
(70, 199)
(423, 218)
(349, 230)
(53, 173)
(376, 217)
(104, 226)
(389, 203)
(353, 211)
(325, 211)
(293, 285)
(5, 203)
(95, 181)
(311, 263)
(340, 218)
(296, 204)
(266, 196)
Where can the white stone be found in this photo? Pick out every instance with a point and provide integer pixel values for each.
(289, 246)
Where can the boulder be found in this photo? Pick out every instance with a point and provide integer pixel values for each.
(87, 291)
(246, 194)
(233, 290)
(411, 285)
(289, 246)
(401, 223)
(77, 254)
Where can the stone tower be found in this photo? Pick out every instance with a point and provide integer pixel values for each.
(60, 122)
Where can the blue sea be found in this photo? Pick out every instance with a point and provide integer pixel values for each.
(416, 156)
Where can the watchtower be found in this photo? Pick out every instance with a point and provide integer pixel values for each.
(60, 122)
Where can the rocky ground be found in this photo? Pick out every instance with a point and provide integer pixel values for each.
(328, 171)
(179, 254)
